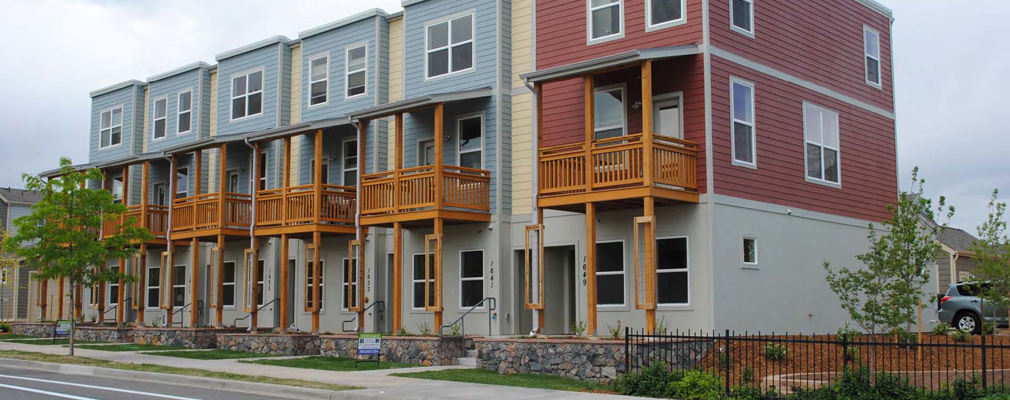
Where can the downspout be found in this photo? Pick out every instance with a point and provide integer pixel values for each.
(535, 190)
(357, 192)
(252, 224)
(168, 233)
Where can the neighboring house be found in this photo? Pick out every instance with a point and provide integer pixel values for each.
(15, 203)
(956, 261)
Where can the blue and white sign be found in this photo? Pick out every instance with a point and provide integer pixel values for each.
(369, 344)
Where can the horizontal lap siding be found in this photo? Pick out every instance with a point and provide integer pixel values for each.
(335, 43)
(419, 15)
(561, 32)
(267, 59)
(169, 89)
(818, 41)
(127, 98)
(333, 139)
(867, 147)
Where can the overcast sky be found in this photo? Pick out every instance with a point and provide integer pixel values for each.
(950, 66)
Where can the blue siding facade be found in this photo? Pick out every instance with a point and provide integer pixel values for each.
(127, 97)
(269, 59)
(334, 44)
(196, 81)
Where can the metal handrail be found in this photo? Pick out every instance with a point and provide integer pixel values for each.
(382, 309)
(462, 322)
(249, 315)
(164, 318)
(114, 306)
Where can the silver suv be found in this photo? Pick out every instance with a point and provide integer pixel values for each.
(961, 307)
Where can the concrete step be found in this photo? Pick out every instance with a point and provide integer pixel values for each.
(471, 353)
(467, 361)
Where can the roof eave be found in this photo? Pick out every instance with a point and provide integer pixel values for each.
(178, 71)
(608, 62)
(361, 16)
(251, 47)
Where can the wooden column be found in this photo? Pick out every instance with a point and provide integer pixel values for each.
(591, 268)
(438, 273)
(439, 151)
(317, 270)
(397, 161)
(254, 322)
(219, 284)
(285, 294)
(107, 184)
(142, 284)
(590, 125)
(44, 296)
(59, 301)
(362, 231)
(317, 174)
(397, 276)
(647, 125)
(540, 237)
(121, 296)
(194, 251)
(170, 248)
(286, 183)
(650, 265)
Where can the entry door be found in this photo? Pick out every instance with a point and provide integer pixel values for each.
(159, 194)
(668, 117)
(426, 154)
(292, 268)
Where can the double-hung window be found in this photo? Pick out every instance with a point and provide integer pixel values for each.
(449, 46)
(357, 71)
(610, 273)
(228, 285)
(820, 132)
(610, 119)
(185, 112)
(179, 286)
(160, 118)
(260, 287)
(471, 136)
(418, 281)
(309, 281)
(742, 110)
(871, 53)
(114, 288)
(350, 285)
(672, 271)
(664, 13)
(471, 278)
(181, 183)
(350, 166)
(319, 80)
(247, 95)
(112, 127)
(741, 16)
(263, 170)
(606, 19)
(750, 251)
(153, 286)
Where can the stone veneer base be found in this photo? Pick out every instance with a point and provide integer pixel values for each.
(265, 343)
(406, 349)
(193, 338)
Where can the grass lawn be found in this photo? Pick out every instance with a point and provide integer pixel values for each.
(12, 336)
(520, 380)
(216, 354)
(43, 341)
(331, 364)
(31, 356)
(127, 347)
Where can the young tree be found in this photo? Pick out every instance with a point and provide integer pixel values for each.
(992, 254)
(61, 236)
(885, 292)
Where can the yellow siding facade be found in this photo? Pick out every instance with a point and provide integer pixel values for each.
(147, 95)
(395, 83)
(213, 158)
(522, 107)
(296, 111)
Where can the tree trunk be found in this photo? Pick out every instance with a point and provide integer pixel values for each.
(73, 313)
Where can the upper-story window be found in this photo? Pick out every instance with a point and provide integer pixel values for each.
(606, 19)
(185, 112)
(820, 130)
(160, 118)
(449, 46)
(247, 95)
(609, 116)
(117, 189)
(182, 183)
(871, 52)
(357, 71)
(350, 166)
(742, 111)
(664, 13)
(470, 141)
(741, 16)
(111, 130)
(319, 80)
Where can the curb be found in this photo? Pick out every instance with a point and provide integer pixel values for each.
(172, 379)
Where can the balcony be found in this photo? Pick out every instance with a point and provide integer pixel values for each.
(412, 195)
(152, 217)
(617, 171)
(211, 214)
(293, 210)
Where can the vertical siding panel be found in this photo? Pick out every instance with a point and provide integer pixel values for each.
(296, 85)
(212, 104)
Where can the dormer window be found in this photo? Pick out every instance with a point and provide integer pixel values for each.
(111, 130)
(449, 46)
(185, 113)
(160, 118)
(247, 95)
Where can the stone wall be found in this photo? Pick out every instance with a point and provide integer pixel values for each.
(193, 338)
(288, 345)
(104, 334)
(405, 349)
(33, 329)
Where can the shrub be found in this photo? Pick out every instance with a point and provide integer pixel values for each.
(903, 336)
(941, 328)
(5, 327)
(615, 331)
(653, 381)
(852, 354)
(661, 326)
(960, 335)
(747, 376)
(578, 328)
(775, 351)
(697, 385)
(846, 334)
(423, 329)
(989, 328)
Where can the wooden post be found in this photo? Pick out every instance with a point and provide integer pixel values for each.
(170, 248)
(101, 286)
(222, 183)
(590, 124)
(438, 273)
(540, 275)
(59, 301)
(316, 275)
(439, 151)
(145, 177)
(397, 275)
(219, 284)
(650, 265)
(121, 295)
(142, 282)
(44, 296)
(285, 294)
(362, 231)
(198, 174)
(317, 180)
(647, 126)
(194, 250)
(591, 268)
(286, 183)
(397, 166)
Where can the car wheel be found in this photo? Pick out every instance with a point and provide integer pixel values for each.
(967, 321)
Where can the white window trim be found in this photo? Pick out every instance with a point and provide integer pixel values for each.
(732, 123)
(650, 27)
(154, 122)
(176, 188)
(624, 107)
(177, 285)
(343, 159)
(413, 281)
(122, 134)
(420, 151)
(473, 41)
(623, 273)
(738, 29)
(234, 285)
(232, 97)
(679, 96)
(263, 182)
(237, 173)
(459, 154)
(344, 285)
(687, 271)
(589, 23)
(308, 90)
(757, 251)
(462, 279)
(837, 149)
(148, 288)
(179, 112)
(348, 72)
(866, 71)
(322, 287)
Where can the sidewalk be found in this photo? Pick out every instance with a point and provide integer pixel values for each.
(377, 383)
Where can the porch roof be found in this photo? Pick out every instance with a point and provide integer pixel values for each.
(204, 143)
(416, 103)
(298, 128)
(608, 62)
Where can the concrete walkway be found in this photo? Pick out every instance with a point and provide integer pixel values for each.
(377, 383)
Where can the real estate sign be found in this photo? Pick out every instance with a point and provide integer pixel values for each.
(369, 344)
(62, 328)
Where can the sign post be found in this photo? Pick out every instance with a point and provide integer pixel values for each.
(369, 344)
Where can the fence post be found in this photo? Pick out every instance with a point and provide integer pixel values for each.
(627, 349)
(726, 362)
(983, 357)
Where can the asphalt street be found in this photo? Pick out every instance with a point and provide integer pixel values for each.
(27, 384)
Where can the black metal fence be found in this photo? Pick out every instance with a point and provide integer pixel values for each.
(782, 363)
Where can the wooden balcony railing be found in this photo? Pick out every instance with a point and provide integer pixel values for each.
(204, 212)
(414, 189)
(617, 163)
(155, 220)
(296, 205)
